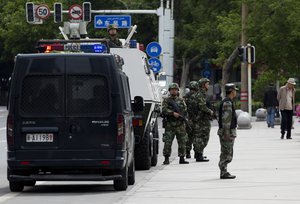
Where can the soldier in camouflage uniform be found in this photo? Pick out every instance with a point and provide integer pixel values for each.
(227, 130)
(202, 124)
(189, 99)
(113, 36)
(173, 109)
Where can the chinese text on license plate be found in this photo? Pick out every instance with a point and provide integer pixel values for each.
(39, 137)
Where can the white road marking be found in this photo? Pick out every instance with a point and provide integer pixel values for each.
(11, 195)
(8, 196)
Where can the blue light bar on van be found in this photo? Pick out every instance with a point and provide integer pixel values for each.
(74, 47)
(96, 48)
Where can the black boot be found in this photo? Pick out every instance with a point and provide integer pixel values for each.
(188, 155)
(166, 162)
(200, 158)
(227, 175)
(282, 134)
(182, 161)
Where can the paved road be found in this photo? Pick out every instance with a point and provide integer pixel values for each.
(61, 192)
(267, 170)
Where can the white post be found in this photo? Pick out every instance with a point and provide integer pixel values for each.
(160, 13)
(172, 36)
(168, 67)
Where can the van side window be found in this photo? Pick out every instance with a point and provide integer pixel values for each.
(42, 95)
(126, 91)
(146, 65)
(88, 95)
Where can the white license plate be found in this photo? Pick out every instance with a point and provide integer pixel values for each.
(39, 137)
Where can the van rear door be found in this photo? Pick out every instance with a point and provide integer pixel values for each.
(89, 122)
(39, 120)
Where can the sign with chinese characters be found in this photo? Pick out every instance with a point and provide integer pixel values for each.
(121, 21)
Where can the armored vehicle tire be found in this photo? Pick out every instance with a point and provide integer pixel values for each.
(16, 186)
(155, 145)
(29, 183)
(122, 184)
(142, 153)
(131, 174)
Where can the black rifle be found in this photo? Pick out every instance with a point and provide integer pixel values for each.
(211, 106)
(176, 109)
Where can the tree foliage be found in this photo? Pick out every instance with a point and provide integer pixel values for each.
(210, 29)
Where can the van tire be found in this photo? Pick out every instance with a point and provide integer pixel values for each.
(155, 145)
(142, 152)
(131, 173)
(16, 186)
(122, 184)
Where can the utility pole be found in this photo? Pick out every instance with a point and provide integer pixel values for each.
(244, 73)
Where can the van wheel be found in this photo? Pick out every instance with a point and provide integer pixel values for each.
(122, 184)
(155, 155)
(29, 183)
(131, 174)
(16, 186)
(155, 145)
(142, 152)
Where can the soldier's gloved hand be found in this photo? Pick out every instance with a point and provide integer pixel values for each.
(176, 115)
(228, 137)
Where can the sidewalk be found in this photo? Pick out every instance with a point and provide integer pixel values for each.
(267, 170)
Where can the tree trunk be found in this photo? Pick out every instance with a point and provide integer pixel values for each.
(227, 68)
(186, 64)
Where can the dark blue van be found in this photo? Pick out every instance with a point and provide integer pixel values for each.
(70, 119)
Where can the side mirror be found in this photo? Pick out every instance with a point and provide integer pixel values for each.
(138, 104)
(164, 91)
(162, 79)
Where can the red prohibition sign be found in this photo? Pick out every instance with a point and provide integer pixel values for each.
(42, 11)
(75, 12)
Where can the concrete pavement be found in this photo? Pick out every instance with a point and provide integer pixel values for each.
(267, 170)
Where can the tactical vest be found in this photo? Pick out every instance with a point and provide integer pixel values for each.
(233, 124)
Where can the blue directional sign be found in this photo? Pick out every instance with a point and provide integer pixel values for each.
(103, 21)
(153, 49)
(155, 64)
(206, 73)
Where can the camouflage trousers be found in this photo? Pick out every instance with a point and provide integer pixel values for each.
(190, 140)
(226, 152)
(201, 136)
(168, 137)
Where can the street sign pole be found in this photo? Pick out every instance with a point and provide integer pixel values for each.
(249, 80)
(166, 27)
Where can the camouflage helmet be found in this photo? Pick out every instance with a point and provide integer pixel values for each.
(194, 85)
(202, 81)
(173, 86)
(112, 26)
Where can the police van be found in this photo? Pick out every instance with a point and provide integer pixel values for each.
(70, 116)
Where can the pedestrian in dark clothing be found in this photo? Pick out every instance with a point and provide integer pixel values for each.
(270, 103)
(286, 98)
